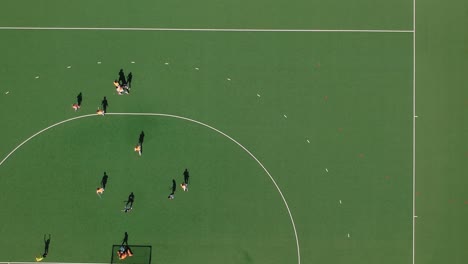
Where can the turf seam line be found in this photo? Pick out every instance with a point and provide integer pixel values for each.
(414, 137)
(211, 29)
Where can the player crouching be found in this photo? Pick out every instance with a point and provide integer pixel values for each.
(124, 252)
(100, 112)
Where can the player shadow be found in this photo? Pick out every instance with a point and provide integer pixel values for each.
(122, 79)
(141, 138)
(46, 246)
(79, 99)
(129, 80)
(130, 200)
(173, 189)
(174, 184)
(125, 239)
(186, 176)
(104, 180)
(104, 104)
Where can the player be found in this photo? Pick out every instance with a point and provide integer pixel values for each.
(184, 186)
(75, 106)
(129, 205)
(124, 252)
(99, 191)
(125, 89)
(119, 90)
(46, 249)
(127, 209)
(100, 112)
(171, 196)
(138, 149)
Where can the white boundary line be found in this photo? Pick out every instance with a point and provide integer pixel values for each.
(211, 29)
(186, 119)
(414, 131)
(51, 262)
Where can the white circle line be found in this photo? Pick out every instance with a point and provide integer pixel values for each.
(45, 129)
(193, 121)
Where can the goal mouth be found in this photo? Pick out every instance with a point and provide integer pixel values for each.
(131, 254)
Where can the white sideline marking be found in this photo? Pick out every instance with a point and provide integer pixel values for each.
(51, 262)
(186, 119)
(212, 29)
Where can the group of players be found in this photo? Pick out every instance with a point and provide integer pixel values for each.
(124, 251)
(131, 198)
(183, 185)
(122, 85)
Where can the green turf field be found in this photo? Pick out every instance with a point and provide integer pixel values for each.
(327, 116)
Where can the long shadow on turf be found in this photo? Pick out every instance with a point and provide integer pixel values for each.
(79, 99)
(141, 138)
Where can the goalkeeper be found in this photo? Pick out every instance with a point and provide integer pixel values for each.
(124, 252)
